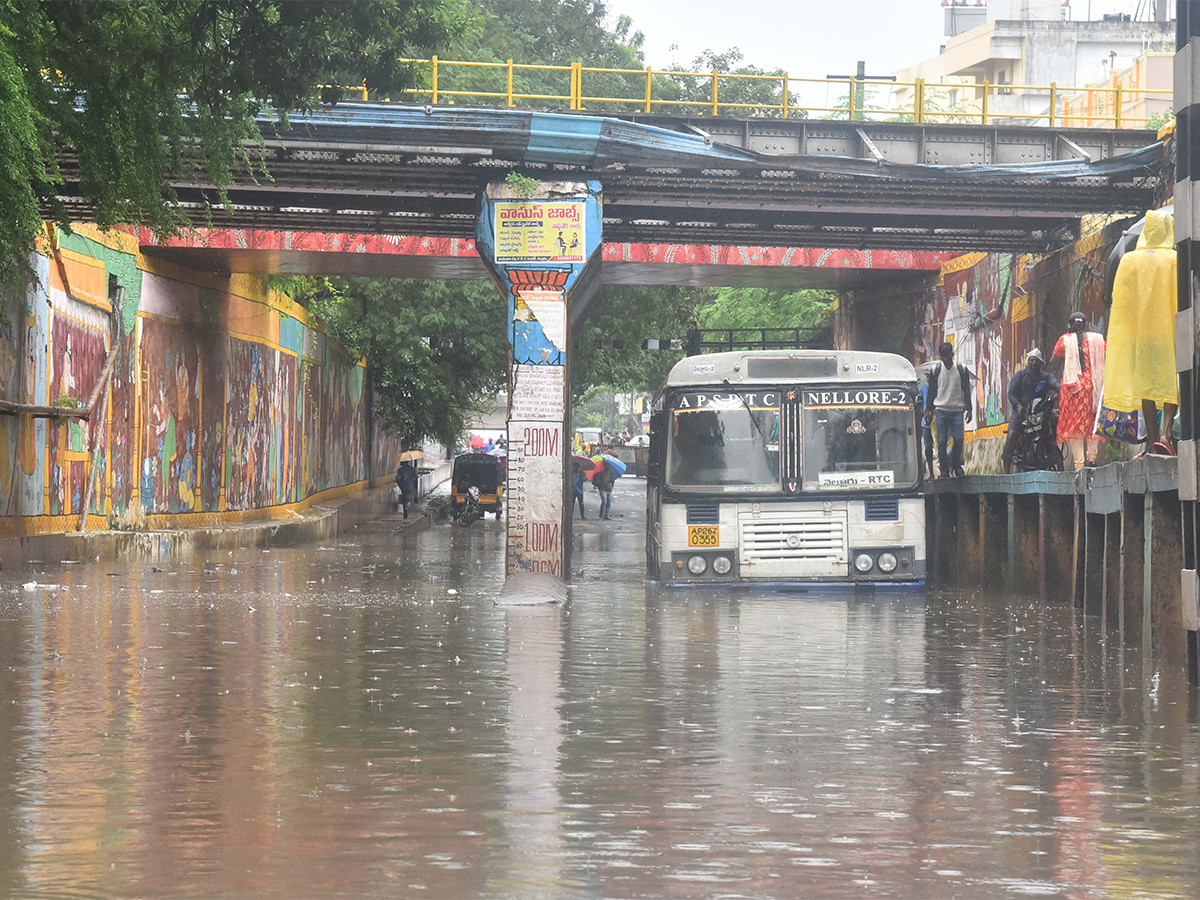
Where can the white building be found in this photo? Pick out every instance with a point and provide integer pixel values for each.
(1020, 48)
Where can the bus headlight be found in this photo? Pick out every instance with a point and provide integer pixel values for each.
(697, 564)
(863, 562)
(722, 565)
(887, 562)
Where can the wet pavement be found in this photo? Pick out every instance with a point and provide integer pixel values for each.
(358, 719)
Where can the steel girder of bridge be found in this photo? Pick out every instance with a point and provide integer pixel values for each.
(384, 168)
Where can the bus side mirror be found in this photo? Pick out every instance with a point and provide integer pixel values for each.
(658, 443)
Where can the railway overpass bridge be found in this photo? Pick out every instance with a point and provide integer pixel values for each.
(391, 169)
(588, 184)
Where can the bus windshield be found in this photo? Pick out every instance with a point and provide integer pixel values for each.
(853, 447)
(724, 442)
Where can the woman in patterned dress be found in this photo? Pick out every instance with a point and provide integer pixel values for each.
(1079, 361)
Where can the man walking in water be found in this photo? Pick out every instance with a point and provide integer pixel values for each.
(950, 406)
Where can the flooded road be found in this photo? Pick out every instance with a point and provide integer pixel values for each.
(359, 720)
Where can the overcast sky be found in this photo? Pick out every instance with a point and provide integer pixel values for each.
(808, 38)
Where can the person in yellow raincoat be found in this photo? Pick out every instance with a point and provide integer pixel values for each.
(1140, 367)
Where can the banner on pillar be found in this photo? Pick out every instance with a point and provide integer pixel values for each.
(540, 231)
(538, 393)
(535, 497)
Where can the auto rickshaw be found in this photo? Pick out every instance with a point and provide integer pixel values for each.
(484, 471)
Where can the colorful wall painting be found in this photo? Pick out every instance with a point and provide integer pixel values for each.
(994, 308)
(224, 400)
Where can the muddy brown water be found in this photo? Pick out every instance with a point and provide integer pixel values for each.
(358, 719)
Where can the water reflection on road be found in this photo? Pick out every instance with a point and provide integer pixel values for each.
(358, 719)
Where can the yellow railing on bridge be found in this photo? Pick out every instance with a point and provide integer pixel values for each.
(669, 90)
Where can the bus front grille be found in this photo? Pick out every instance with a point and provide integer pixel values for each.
(793, 545)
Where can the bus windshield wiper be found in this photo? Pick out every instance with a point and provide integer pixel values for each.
(750, 413)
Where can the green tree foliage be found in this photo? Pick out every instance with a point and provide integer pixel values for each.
(435, 349)
(137, 91)
(609, 345)
(544, 33)
(760, 308)
(757, 88)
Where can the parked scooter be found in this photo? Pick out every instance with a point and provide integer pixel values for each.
(1037, 446)
(472, 509)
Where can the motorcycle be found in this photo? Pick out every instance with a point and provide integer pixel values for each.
(1037, 447)
(471, 509)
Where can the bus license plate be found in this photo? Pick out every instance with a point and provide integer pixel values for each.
(703, 535)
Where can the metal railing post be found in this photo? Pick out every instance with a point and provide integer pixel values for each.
(649, 83)
(715, 105)
(1117, 111)
(1053, 102)
(509, 90)
(983, 120)
(786, 99)
(852, 98)
(919, 100)
(575, 91)
(435, 90)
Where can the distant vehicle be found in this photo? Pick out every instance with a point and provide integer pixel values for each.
(471, 510)
(481, 470)
(786, 466)
(587, 440)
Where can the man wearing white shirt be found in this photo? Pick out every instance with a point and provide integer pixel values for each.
(950, 403)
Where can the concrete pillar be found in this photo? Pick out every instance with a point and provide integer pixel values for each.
(1058, 520)
(1166, 609)
(946, 539)
(1027, 577)
(1010, 541)
(993, 515)
(1187, 196)
(1093, 575)
(1129, 613)
(541, 243)
(970, 540)
(1110, 616)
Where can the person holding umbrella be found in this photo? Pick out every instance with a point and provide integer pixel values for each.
(577, 482)
(603, 480)
(407, 479)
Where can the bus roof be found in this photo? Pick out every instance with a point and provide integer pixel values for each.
(788, 366)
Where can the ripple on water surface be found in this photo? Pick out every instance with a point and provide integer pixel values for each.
(359, 719)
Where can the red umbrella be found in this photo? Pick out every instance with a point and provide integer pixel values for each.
(477, 442)
(589, 467)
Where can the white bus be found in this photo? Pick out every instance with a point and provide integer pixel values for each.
(786, 466)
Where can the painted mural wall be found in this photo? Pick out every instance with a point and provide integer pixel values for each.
(225, 402)
(994, 308)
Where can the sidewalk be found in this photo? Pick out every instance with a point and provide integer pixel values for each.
(318, 523)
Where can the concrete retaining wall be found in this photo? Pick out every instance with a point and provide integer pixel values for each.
(1108, 540)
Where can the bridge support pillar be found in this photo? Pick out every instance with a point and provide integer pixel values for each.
(1187, 359)
(541, 243)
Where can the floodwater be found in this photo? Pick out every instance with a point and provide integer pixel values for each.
(359, 720)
